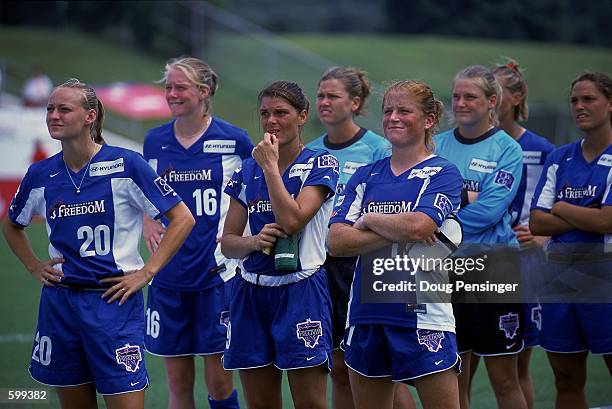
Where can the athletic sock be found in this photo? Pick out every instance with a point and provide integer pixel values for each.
(230, 403)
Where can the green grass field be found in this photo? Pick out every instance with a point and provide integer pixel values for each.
(245, 65)
(19, 303)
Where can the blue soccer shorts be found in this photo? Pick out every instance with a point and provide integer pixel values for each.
(403, 354)
(183, 323)
(80, 339)
(532, 314)
(288, 326)
(568, 328)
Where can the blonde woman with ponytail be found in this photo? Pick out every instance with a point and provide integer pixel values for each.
(90, 333)
(490, 162)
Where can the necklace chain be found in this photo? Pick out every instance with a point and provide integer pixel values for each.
(78, 188)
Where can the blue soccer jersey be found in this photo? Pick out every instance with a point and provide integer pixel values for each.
(198, 174)
(432, 187)
(94, 230)
(568, 177)
(491, 167)
(248, 187)
(535, 150)
(364, 148)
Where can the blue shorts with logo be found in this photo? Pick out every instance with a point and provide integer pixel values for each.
(80, 339)
(570, 328)
(187, 323)
(288, 325)
(403, 354)
(533, 263)
(533, 323)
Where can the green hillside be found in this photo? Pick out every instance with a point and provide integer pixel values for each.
(246, 64)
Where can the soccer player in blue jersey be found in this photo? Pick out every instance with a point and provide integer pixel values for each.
(280, 319)
(573, 204)
(341, 97)
(490, 162)
(188, 302)
(387, 343)
(535, 148)
(90, 331)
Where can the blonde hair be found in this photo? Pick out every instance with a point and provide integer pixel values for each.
(90, 101)
(485, 80)
(197, 72)
(424, 95)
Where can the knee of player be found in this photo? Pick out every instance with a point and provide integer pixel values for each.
(220, 388)
(504, 384)
(569, 382)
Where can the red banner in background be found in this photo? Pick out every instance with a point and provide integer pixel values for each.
(7, 191)
(135, 101)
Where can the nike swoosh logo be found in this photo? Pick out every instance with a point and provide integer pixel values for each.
(310, 358)
(256, 177)
(164, 147)
(134, 383)
(439, 362)
(511, 345)
(54, 174)
(373, 174)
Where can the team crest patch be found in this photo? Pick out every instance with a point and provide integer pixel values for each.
(504, 178)
(224, 318)
(163, 186)
(536, 317)
(432, 340)
(509, 323)
(443, 203)
(309, 332)
(328, 161)
(129, 356)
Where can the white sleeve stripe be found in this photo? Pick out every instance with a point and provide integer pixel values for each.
(229, 163)
(608, 186)
(34, 205)
(242, 195)
(128, 219)
(532, 175)
(423, 188)
(546, 199)
(355, 209)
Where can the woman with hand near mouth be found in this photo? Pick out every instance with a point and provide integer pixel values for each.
(490, 162)
(280, 318)
(573, 204)
(341, 97)
(188, 302)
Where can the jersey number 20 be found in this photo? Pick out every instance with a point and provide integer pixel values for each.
(100, 236)
(42, 349)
